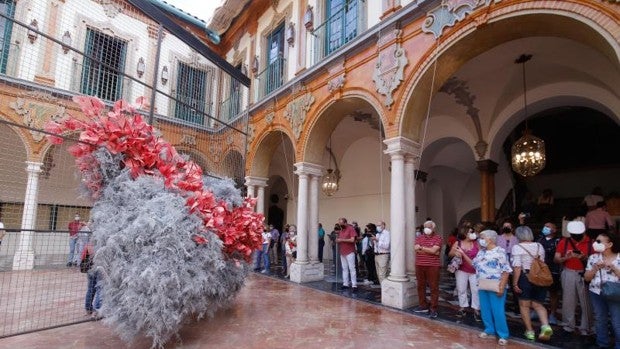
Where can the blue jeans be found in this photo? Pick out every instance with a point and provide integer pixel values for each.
(602, 309)
(284, 266)
(72, 244)
(266, 257)
(493, 313)
(93, 292)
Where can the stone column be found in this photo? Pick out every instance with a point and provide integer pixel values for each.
(398, 290)
(24, 256)
(302, 269)
(313, 237)
(256, 188)
(410, 221)
(487, 169)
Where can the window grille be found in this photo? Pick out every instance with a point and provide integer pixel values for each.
(7, 7)
(103, 64)
(193, 87)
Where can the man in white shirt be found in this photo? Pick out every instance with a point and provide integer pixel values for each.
(381, 241)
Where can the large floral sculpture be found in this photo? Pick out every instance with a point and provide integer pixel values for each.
(171, 246)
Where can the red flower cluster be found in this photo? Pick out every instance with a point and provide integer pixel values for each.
(123, 131)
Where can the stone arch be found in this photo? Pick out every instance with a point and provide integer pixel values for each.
(197, 157)
(328, 116)
(260, 156)
(21, 133)
(587, 23)
(13, 170)
(548, 97)
(232, 166)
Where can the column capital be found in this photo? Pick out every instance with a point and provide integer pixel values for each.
(308, 168)
(256, 181)
(33, 166)
(487, 165)
(402, 146)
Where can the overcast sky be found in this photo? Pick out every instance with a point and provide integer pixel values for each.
(202, 9)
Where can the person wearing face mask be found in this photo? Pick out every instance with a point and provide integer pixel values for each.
(507, 240)
(346, 245)
(467, 248)
(549, 242)
(573, 254)
(604, 266)
(290, 245)
(381, 242)
(74, 227)
(427, 267)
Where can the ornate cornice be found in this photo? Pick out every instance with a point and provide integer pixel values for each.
(450, 12)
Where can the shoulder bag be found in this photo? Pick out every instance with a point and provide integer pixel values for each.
(540, 274)
(610, 290)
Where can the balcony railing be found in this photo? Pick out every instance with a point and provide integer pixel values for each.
(271, 78)
(340, 28)
(229, 108)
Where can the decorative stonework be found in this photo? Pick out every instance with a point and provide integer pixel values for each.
(450, 12)
(188, 140)
(215, 151)
(269, 117)
(110, 7)
(389, 70)
(297, 109)
(251, 133)
(336, 83)
(36, 115)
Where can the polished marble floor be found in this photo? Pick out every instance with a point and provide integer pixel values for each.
(273, 313)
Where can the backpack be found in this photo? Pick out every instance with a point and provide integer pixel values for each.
(540, 274)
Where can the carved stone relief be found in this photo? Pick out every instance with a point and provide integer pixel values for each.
(110, 7)
(188, 140)
(450, 12)
(389, 70)
(269, 117)
(296, 111)
(36, 115)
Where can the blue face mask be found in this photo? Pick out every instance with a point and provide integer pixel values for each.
(482, 242)
(546, 231)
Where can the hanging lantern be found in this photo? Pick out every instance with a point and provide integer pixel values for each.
(330, 183)
(528, 152)
(528, 155)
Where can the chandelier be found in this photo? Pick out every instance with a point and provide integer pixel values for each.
(528, 152)
(330, 181)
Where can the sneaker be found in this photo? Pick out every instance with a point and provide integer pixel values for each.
(344, 287)
(433, 314)
(484, 335)
(530, 335)
(553, 320)
(354, 289)
(477, 316)
(502, 341)
(69, 264)
(545, 333)
(460, 313)
(420, 309)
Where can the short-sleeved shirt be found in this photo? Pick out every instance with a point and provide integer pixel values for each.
(266, 237)
(602, 275)
(507, 243)
(490, 264)
(424, 259)
(565, 245)
(347, 247)
(521, 258)
(550, 245)
(74, 228)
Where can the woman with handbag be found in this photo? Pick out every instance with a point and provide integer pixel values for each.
(465, 273)
(531, 295)
(603, 273)
(492, 269)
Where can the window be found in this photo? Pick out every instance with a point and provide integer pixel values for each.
(232, 106)
(342, 23)
(275, 59)
(104, 62)
(7, 8)
(193, 93)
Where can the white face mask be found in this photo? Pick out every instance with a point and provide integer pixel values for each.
(428, 231)
(77, 218)
(598, 247)
(472, 236)
(379, 229)
(482, 242)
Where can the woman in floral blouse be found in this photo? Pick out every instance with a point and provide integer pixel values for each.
(491, 263)
(604, 266)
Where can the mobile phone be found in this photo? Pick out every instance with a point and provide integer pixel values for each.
(576, 252)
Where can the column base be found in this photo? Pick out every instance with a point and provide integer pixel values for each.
(307, 272)
(399, 294)
(23, 260)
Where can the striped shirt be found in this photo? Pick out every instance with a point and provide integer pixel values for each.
(424, 259)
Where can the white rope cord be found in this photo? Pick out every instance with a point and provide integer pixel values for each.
(428, 109)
